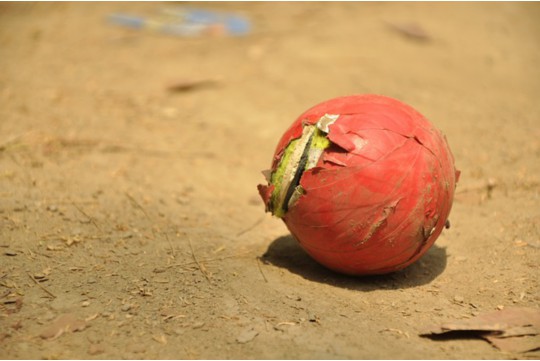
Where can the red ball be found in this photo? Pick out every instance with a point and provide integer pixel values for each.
(365, 183)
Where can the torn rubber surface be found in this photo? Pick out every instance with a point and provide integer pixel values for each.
(296, 169)
(300, 154)
(379, 194)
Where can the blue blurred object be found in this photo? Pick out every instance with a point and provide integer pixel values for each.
(180, 21)
(233, 23)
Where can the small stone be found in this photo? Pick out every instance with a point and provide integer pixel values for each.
(198, 325)
(10, 253)
(459, 299)
(247, 336)
(125, 308)
(85, 304)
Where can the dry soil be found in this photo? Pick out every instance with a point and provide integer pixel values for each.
(129, 161)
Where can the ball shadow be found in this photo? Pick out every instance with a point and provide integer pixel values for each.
(285, 252)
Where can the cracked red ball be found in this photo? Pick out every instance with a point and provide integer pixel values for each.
(365, 183)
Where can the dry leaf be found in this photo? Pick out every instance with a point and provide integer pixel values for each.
(512, 329)
(514, 344)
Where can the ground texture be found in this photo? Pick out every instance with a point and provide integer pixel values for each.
(130, 224)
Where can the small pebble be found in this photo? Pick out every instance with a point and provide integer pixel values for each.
(125, 308)
(85, 304)
(198, 325)
(458, 299)
(10, 253)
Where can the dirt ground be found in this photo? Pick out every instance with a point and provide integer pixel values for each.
(130, 210)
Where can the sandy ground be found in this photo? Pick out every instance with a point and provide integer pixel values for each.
(131, 211)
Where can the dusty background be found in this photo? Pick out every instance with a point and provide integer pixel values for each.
(134, 209)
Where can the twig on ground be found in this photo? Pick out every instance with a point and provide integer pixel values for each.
(41, 286)
(173, 253)
(13, 140)
(260, 269)
(185, 264)
(91, 219)
(137, 205)
(259, 221)
(201, 267)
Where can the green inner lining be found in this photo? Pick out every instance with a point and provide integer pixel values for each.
(319, 141)
(277, 177)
